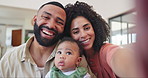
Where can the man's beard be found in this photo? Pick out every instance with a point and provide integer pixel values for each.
(44, 41)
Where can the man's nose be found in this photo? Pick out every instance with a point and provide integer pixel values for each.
(51, 24)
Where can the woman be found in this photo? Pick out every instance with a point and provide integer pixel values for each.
(105, 60)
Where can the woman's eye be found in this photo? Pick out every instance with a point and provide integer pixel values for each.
(75, 32)
(69, 53)
(59, 52)
(86, 28)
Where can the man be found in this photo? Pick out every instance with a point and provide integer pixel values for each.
(35, 58)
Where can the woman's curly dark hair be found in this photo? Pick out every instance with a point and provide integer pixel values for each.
(101, 28)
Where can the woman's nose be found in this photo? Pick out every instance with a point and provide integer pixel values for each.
(83, 35)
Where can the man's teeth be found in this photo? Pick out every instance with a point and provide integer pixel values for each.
(47, 32)
(85, 41)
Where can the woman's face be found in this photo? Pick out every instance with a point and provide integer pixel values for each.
(82, 30)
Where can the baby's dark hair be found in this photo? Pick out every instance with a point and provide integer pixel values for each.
(69, 39)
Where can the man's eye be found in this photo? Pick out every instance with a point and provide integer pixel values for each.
(69, 53)
(45, 17)
(60, 23)
(59, 52)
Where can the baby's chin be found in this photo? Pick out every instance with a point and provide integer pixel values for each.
(66, 69)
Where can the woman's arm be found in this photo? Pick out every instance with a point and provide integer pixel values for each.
(123, 63)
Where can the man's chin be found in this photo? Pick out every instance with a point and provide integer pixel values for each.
(46, 43)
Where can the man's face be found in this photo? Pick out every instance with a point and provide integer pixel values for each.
(49, 25)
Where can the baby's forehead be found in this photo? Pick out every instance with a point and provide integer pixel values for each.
(69, 44)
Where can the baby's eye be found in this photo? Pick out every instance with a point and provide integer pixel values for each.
(69, 53)
(59, 52)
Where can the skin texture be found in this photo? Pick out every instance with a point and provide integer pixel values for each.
(122, 59)
(52, 17)
(67, 56)
(82, 30)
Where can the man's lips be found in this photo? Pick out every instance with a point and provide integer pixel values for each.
(48, 32)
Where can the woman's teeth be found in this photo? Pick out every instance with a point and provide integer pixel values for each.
(85, 41)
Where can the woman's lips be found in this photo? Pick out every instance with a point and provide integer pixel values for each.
(85, 41)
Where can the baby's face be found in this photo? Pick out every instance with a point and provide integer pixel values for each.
(67, 56)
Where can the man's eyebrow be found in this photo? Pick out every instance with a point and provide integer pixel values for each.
(47, 13)
(60, 19)
(51, 15)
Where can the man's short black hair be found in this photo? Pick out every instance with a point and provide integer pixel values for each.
(53, 3)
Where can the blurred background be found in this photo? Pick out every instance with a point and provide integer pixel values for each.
(16, 17)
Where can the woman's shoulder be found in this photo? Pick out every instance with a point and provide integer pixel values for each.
(108, 50)
(108, 47)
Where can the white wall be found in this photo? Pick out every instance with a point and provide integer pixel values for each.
(2, 35)
(2, 39)
(11, 21)
(107, 8)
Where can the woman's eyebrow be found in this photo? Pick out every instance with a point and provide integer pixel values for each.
(74, 29)
(86, 24)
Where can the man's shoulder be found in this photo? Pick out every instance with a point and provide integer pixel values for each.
(13, 53)
(15, 49)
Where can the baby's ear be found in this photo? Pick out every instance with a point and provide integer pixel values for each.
(78, 60)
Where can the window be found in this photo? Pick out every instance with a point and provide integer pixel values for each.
(123, 28)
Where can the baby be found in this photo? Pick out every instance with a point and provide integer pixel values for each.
(67, 58)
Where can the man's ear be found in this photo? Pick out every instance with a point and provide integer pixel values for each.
(33, 20)
(78, 60)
